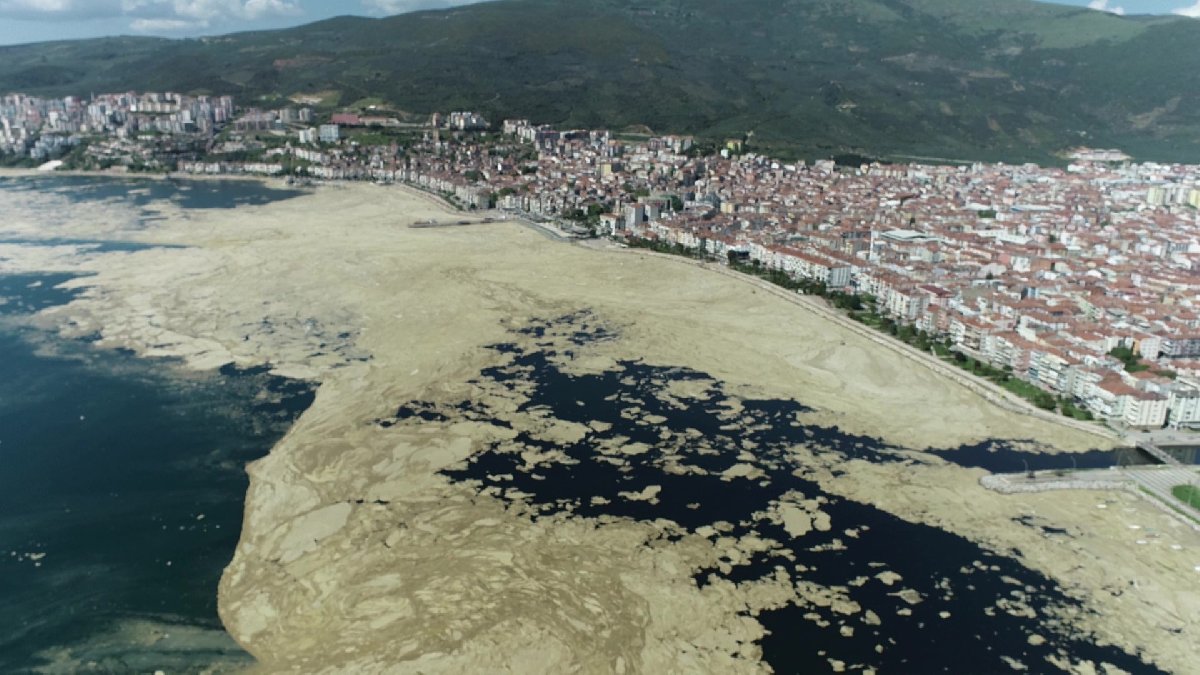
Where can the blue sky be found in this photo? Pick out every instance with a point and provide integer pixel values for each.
(37, 20)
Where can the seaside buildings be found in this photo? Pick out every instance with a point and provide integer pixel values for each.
(125, 127)
(1083, 281)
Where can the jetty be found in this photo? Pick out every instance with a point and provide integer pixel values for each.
(448, 223)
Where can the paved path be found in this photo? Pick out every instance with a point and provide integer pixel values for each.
(1161, 479)
(546, 229)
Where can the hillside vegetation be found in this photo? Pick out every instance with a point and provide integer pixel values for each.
(985, 79)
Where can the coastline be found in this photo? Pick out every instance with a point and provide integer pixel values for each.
(989, 391)
(333, 285)
(428, 197)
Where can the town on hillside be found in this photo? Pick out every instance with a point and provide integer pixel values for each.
(1077, 287)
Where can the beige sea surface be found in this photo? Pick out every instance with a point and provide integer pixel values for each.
(359, 555)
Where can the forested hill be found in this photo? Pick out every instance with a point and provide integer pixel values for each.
(963, 79)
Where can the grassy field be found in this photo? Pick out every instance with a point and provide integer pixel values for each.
(1188, 494)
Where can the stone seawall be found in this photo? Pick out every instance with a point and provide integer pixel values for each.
(1004, 484)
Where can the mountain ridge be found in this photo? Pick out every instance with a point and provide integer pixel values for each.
(989, 80)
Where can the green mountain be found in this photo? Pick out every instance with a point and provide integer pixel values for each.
(962, 79)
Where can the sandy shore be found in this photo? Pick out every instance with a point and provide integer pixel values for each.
(358, 554)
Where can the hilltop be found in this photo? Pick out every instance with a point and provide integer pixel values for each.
(985, 80)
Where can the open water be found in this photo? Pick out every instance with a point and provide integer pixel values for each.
(122, 480)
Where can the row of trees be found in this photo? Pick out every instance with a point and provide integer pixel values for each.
(862, 308)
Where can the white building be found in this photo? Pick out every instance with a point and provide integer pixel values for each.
(1144, 410)
(1183, 407)
(329, 133)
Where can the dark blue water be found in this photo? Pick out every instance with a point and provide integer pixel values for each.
(144, 193)
(90, 245)
(30, 293)
(1003, 457)
(953, 575)
(121, 490)
(121, 480)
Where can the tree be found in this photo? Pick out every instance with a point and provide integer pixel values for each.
(1045, 401)
(1133, 363)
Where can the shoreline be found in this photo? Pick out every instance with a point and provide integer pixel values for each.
(424, 195)
(989, 391)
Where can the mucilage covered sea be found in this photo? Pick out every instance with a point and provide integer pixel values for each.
(122, 483)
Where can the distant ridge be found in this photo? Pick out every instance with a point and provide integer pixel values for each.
(980, 79)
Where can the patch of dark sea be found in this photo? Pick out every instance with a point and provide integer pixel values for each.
(1005, 456)
(122, 483)
(709, 457)
(144, 193)
(87, 245)
(28, 293)
(25, 294)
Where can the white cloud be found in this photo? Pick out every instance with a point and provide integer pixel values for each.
(160, 25)
(152, 16)
(1193, 11)
(389, 7)
(202, 13)
(59, 9)
(1103, 6)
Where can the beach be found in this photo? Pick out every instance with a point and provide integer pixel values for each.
(359, 550)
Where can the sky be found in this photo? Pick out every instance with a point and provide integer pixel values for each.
(39, 20)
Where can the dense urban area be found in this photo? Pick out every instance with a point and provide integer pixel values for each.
(1074, 287)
